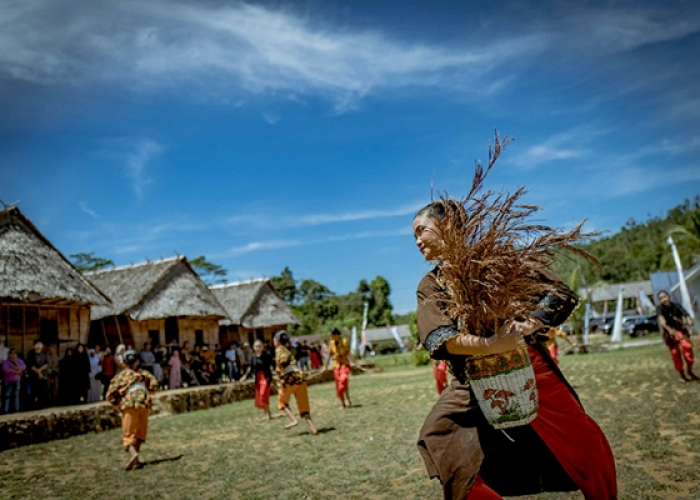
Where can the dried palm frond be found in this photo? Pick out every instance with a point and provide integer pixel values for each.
(492, 256)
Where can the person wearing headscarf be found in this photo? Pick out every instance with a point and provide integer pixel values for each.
(291, 383)
(260, 368)
(339, 351)
(175, 373)
(119, 357)
(95, 369)
(82, 373)
(131, 392)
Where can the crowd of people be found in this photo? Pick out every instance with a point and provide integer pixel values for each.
(41, 379)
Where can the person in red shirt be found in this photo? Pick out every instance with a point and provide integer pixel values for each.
(109, 369)
(673, 320)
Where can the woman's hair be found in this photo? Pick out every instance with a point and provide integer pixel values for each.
(335, 331)
(283, 337)
(258, 342)
(663, 291)
(438, 210)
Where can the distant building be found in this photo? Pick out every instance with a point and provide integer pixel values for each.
(254, 311)
(42, 295)
(374, 335)
(157, 301)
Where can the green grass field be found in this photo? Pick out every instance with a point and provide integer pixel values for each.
(651, 418)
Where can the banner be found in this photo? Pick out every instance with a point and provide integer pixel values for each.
(617, 327)
(647, 304)
(685, 296)
(395, 333)
(353, 341)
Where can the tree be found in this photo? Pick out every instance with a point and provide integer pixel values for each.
(87, 262)
(286, 285)
(380, 307)
(209, 272)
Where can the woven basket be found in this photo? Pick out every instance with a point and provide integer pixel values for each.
(504, 386)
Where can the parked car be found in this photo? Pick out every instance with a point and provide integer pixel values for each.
(642, 325)
(596, 323)
(606, 326)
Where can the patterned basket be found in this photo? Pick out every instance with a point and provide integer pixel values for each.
(504, 386)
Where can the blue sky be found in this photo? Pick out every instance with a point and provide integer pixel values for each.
(306, 134)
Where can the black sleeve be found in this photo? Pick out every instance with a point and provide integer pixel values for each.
(556, 306)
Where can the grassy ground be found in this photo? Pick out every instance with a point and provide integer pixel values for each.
(651, 418)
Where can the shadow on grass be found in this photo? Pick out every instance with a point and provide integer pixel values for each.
(322, 430)
(160, 461)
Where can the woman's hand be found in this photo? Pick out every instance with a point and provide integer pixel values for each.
(506, 338)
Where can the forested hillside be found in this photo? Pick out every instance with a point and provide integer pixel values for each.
(640, 248)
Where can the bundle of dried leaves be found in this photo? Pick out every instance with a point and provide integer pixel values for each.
(492, 257)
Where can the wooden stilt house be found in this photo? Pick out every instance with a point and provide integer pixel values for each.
(254, 309)
(42, 295)
(157, 301)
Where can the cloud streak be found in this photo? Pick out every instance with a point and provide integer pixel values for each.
(155, 45)
(86, 209)
(275, 222)
(278, 244)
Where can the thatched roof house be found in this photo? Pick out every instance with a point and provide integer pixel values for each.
(160, 301)
(254, 310)
(42, 295)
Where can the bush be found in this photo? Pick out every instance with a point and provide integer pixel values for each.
(386, 347)
(421, 357)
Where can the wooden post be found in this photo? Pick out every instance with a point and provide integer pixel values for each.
(23, 328)
(119, 329)
(104, 332)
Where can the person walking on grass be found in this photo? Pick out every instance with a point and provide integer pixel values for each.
(261, 366)
(131, 392)
(339, 350)
(674, 320)
(291, 383)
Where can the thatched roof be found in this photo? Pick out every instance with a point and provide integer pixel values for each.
(253, 304)
(33, 270)
(155, 290)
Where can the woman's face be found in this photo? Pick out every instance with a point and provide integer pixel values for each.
(258, 348)
(81, 349)
(665, 299)
(427, 236)
(277, 342)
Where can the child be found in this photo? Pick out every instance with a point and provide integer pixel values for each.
(131, 392)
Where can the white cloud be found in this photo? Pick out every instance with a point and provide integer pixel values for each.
(86, 209)
(137, 162)
(276, 222)
(219, 50)
(278, 244)
(564, 146)
(271, 118)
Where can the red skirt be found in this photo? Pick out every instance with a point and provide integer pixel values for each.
(342, 380)
(563, 449)
(262, 391)
(315, 360)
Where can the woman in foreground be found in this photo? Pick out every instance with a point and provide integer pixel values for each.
(562, 449)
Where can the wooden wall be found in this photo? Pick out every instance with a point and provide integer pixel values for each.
(58, 326)
(241, 334)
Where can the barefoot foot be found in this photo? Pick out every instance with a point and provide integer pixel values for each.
(291, 424)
